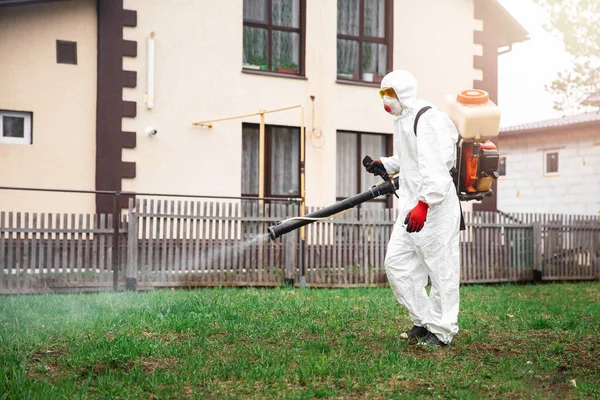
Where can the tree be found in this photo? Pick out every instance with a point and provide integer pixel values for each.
(577, 22)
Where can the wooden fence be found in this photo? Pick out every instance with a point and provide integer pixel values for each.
(160, 243)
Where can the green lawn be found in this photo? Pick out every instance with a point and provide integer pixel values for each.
(534, 341)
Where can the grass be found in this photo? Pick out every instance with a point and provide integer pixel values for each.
(515, 342)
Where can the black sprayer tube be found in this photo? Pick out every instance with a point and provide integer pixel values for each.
(289, 225)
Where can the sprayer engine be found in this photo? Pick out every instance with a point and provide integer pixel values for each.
(478, 165)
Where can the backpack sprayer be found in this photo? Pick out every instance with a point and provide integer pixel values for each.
(477, 119)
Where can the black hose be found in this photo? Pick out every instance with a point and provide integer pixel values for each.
(288, 225)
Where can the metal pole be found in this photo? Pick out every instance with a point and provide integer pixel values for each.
(261, 159)
(303, 197)
(208, 123)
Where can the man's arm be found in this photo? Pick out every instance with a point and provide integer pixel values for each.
(434, 148)
(391, 164)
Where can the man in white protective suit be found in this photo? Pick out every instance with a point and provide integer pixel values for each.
(425, 238)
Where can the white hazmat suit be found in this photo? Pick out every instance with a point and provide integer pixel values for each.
(424, 161)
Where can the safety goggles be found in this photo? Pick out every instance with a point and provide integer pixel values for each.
(389, 92)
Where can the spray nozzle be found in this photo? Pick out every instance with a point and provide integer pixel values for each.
(377, 170)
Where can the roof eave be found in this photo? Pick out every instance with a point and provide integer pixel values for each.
(512, 31)
(550, 129)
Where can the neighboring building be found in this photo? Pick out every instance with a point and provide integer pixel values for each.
(73, 82)
(551, 166)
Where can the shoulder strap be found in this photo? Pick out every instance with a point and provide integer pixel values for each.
(421, 112)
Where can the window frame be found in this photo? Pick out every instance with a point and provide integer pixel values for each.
(546, 154)
(388, 40)
(301, 30)
(389, 145)
(27, 138)
(268, 160)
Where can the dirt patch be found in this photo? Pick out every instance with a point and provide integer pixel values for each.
(43, 363)
(187, 391)
(151, 365)
(164, 337)
(102, 368)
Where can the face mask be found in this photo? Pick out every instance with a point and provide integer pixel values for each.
(392, 105)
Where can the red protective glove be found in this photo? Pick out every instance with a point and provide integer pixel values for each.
(415, 219)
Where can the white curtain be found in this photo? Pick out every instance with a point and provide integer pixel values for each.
(286, 13)
(255, 39)
(347, 50)
(285, 161)
(286, 49)
(250, 157)
(374, 58)
(374, 18)
(346, 168)
(256, 11)
(255, 46)
(347, 17)
(373, 145)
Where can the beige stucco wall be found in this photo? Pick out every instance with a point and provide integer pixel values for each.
(62, 98)
(198, 77)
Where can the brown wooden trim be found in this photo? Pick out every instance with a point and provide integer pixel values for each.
(128, 169)
(272, 73)
(129, 109)
(66, 52)
(128, 140)
(129, 79)
(110, 108)
(389, 29)
(357, 83)
(8, 3)
(273, 27)
(129, 48)
(130, 18)
(302, 59)
(368, 39)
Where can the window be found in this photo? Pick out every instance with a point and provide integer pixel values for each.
(352, 178)
(274, 36)
(15, 127)
(502, 166)
(282, 161)
(364, 39)
(551, 163)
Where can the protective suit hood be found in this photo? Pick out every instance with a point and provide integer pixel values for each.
(405, 86)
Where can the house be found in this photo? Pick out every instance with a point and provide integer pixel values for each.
(551, 166)
(103, 94)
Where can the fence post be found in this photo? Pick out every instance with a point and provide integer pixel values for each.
(115, 239)
(537, 251)
(132, 249)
